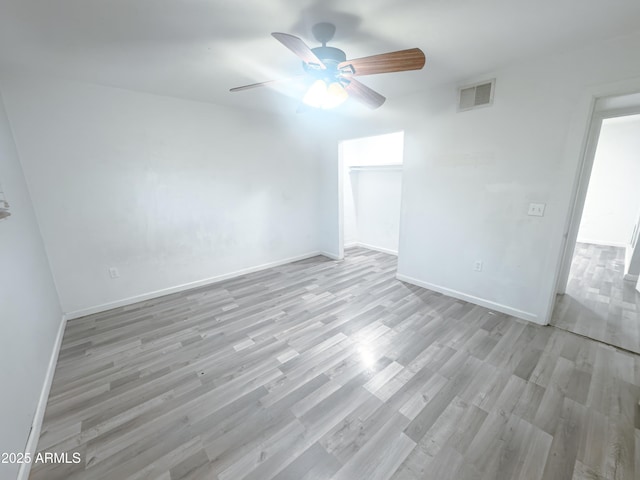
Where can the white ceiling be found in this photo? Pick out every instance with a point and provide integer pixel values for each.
(198, 49)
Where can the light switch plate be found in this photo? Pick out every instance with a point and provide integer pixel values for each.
(536, 209)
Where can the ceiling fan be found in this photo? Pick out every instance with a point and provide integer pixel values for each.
(333, 75)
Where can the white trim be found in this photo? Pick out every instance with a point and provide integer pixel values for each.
(532, 317)
(186, 286)
(373, 247)
(340, 212)
(342, 170)
(332, 256)
(579, 196)
(36, 425)
(577, 146)
(601, 242)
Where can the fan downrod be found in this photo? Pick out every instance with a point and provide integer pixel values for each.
(323, 32)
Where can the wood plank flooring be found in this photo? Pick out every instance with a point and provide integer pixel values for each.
(598, 303)
(336, 370)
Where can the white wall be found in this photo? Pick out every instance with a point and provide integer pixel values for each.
(613, 197)
(166, 190)
(468, 177)
(371, 196)
(377, 199)
(384, 149)
(30, 312)
(350, 218)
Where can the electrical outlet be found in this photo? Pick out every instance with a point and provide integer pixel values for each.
(113, 272)
(536, 209)
(477, 266)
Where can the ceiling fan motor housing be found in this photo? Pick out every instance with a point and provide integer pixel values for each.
(331, 57)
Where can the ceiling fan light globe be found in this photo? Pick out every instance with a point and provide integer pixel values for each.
(316, 94)
(335, 95)
(326, 97)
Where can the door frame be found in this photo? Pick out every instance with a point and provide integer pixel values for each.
(341, 181)
(342, 177)
(583, 176)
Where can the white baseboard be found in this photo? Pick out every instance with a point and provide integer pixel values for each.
(601, 242)
(514, 312)
(332, 256)
(377, 249)
(631, 278)
(180, 288)
(363, 245)
(36, 426)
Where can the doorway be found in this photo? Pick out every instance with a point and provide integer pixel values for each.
(598, 294)
(370, 172)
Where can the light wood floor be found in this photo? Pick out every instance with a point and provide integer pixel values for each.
(599, 303)
(336, 370)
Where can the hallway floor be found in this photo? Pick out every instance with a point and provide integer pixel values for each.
(599, 303)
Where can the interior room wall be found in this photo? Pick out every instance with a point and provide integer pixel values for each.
(167, 191)
(385, 149)
(349, 218)
(30, 313)
(378, 194)
(372, 194)
(613, 197)
(350, 215)
(468, 177)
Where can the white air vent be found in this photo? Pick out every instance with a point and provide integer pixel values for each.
(477, 95)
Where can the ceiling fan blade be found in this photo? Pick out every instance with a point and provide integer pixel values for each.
(264, 84)
(400, 61)
(300, 48)
(364, 94)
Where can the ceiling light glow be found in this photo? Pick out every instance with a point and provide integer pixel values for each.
(321, 95)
